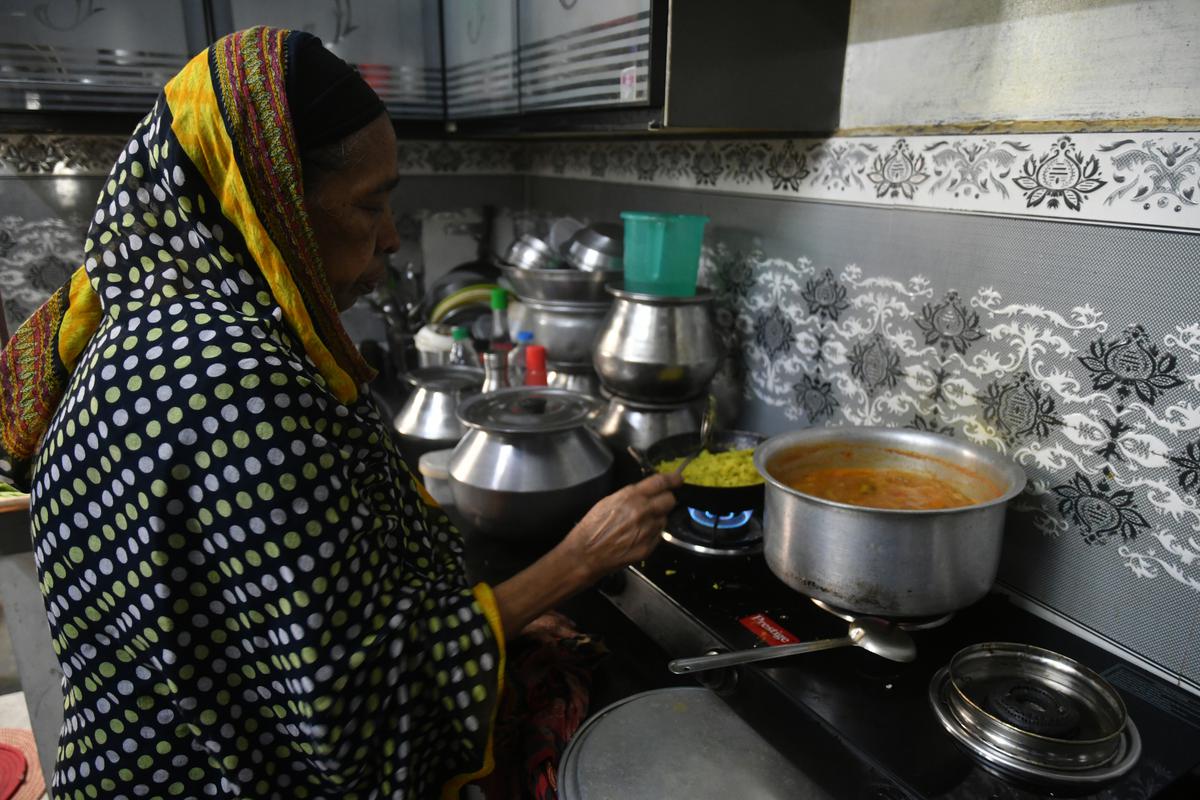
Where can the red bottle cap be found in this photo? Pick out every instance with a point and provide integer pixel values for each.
(535, 365)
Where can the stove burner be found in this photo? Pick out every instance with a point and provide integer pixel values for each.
(1034, 709)
(708, 521)
(737, 534)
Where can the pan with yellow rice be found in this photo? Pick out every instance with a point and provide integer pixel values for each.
(722, 479)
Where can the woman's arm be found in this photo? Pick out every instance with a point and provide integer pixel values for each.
(621, 529)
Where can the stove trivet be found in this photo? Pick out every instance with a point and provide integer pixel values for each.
(684, 531)
(903, 623)
(1008, 767)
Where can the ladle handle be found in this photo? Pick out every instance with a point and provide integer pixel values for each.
(682, 666)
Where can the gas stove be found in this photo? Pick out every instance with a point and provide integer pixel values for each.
(858, 725)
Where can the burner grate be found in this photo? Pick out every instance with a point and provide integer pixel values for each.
(1033, 708)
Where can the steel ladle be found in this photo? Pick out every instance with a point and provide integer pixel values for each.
(874, 635)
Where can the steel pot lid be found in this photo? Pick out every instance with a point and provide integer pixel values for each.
(526, 409)
(677, 742)
(446, 378)
(1024, 707)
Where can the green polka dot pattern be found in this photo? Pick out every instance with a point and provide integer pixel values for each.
(245, 591)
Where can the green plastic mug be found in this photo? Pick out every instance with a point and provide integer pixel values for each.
(662, 252)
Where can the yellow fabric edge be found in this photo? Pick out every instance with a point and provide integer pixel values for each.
(198, 126)
(80, 321)
(425, 495)
(487, 601)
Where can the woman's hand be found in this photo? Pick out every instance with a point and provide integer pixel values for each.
(622, 528)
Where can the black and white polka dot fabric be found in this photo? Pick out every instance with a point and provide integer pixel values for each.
(246, 591)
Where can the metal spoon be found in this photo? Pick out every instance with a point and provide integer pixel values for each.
(707, 424)
(873, 635)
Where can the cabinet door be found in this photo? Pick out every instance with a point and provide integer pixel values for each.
(395, 45)
(90, 55)
(584, 53)
(481, 57)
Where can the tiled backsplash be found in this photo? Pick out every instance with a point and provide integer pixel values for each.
(1074, 348)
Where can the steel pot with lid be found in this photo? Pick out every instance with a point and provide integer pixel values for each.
(428, 420)
(529, 467)
(878, 561)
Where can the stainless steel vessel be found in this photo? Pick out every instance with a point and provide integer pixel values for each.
(580, 378)
(559, 285)
(567, 330)
(597, 248)
(529, 468)
(530, 252)
(658, 349)
(624, 423)
(891, 563)
(428, 420)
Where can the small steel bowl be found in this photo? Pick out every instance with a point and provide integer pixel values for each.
(598, 248)
(530, 252)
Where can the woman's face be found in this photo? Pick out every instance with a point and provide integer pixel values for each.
(351, 215)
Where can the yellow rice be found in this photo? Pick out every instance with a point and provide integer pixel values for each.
(724, 470)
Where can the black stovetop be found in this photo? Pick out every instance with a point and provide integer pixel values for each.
(879, 710)
(859, 726)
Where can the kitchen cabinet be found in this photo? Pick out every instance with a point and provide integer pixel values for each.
(88, 56)
(674, 65)
(395, 45)
(480, 46)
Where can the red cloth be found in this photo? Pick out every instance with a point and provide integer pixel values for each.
(12, 770)
(548, 686)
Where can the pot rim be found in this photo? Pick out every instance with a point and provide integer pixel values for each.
(413, 376)
(703, 295)
(586, 308)
(1016, 478)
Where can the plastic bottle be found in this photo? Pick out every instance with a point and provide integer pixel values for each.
(462, 352)
(499, 340)
(516, 359)
(535, 365)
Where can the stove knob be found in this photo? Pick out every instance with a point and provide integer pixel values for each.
(721, 681)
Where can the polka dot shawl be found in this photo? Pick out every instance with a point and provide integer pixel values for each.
(247, 594)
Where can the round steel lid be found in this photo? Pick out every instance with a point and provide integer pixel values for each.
(526, 409)
(446, 378)
(678, 742)
(1021, 704)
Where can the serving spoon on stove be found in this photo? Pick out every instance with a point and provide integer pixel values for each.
(871, 634)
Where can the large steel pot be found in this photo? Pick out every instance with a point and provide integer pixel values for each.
(529, 468)
(891, 563)
(428, 420)
(658, 349)
(566, 330)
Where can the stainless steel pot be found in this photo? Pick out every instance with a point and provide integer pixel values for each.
(559, 285)
(658, 349)
(624, 422)
(580, 378)
(891, 563)
(567, 330)
(529, 468)
(428, 420)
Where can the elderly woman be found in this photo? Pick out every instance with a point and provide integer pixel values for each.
(248, 593)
